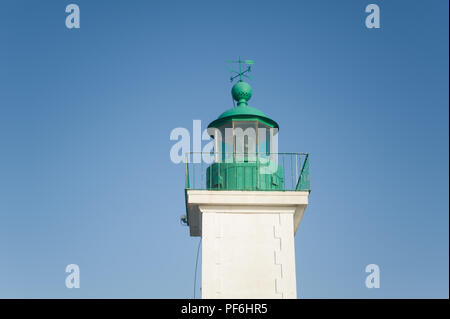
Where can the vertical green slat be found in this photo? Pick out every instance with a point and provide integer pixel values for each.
(201, 171)
(257, 172)
(236, 175)
(210, 172)
(292, 174)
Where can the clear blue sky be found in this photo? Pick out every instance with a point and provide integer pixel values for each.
(85, 118)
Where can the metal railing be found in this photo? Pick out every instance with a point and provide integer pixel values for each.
(232, 171)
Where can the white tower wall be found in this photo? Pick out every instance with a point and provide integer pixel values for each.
(247, 241)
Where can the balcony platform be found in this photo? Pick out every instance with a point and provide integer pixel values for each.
(200, 202)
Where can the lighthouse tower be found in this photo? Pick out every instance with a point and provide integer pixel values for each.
(246, 200)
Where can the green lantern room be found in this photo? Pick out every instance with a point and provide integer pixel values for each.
(244, 140)
(245, 155)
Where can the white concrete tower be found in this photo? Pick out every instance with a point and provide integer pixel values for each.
(247, 205)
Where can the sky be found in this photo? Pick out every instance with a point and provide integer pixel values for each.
(86, 115)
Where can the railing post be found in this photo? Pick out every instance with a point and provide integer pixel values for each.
(187, 172)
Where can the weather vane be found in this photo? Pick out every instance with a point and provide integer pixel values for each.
(241, 73)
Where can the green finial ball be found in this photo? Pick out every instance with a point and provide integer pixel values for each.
(241, 91)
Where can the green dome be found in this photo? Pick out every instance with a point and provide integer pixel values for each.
(242, 92)
(243, 113)
(240, 111)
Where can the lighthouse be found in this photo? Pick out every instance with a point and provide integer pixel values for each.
(246, 202)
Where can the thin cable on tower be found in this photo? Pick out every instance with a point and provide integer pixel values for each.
(196, 265)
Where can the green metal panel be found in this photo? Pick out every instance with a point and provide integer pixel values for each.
(243, 176)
